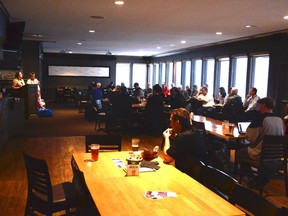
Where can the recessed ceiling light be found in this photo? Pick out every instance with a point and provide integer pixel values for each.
(119, 2)
(70, 52)
(183, 41)
(158, 47)
(79, 43)
(250, 26)
(97, 17)
(218, 33)
(285, 17)
(92, 31)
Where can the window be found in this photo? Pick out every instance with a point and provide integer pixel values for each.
(178, 74)
(150, 74)
(260, 72)
(139, 75)
(123, 74)
(170, 74)
(187, 73)
(209, 74)
(197, 72)
(163, 73)
(156, 73)
(223, 73)
(239, 74)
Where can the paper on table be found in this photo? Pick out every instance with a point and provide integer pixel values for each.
(154, 195)
(142, 169)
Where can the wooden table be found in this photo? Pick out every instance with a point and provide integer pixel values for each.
(115, 194)
(214, 127)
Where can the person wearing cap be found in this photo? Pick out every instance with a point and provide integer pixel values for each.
(265, 124)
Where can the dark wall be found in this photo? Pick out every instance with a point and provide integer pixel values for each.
(49, 83)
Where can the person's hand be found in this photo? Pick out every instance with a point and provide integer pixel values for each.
(167, 133)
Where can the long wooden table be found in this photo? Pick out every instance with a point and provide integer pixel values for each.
(214, 127)
(116, 194)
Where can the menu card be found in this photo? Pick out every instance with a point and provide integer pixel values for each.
(154, 195)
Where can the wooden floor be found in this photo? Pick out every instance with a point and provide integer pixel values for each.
(57, 151)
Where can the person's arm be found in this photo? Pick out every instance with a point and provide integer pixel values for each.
(167, 134)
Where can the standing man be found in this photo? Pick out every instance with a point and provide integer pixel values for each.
(182, 142)
(33, 80)
(96, 95)
(265, 124)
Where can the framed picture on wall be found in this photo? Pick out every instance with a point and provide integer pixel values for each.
(76, 71)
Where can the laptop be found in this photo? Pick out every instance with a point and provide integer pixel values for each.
(242, 127)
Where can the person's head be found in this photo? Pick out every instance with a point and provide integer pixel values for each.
(222, 91)
(187, 87)
(172, 85)
(157, 89)
(195, 87)
(98, 85)
(266, 105)
(148, 85)
(32, 75)
(136, 85)
(174, 91)
(180, 120)
(18, 75)
(234, 91)
(204, 90)
(123, 90)
(253, 91)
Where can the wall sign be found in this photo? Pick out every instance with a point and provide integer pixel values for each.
(74, 71)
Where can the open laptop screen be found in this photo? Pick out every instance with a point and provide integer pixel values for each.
(242, 127)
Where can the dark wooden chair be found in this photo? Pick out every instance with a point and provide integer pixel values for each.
(273, 160)
(42, 196)
(108, 142)
(85, 204)
(252, 203)
(217, 181)
(195, 169)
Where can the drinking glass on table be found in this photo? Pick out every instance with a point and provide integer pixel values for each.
(94, 148)
(135, 144)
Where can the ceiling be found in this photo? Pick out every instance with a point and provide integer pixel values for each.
(144, 27)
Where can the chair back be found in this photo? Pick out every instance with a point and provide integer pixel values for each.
(217, 181)
(85, 204)
(195, 169)
(251, 203)
(200, 126)
(107, 142)
(39, 185)
(74, 165)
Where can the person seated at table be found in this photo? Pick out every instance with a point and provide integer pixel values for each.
(154, 115)
(233, 108)
(222, 95)
(182, 142)
(267, 123)
(148, 90)
(96, 95)
(177, 99)
(202, 102)
(194, 91)
(250, 103)
(187, 92)
(137, 91)
(121, 108)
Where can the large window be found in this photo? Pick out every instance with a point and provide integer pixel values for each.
(163, 73)
(223, 73)
(156, 73)
(150, 74)
(187, 73)
(178, 73)
(123, 74)
(209, 74)
(239, 74)
(260, 72)
(170, 74)
(197, 72)
(139, 75)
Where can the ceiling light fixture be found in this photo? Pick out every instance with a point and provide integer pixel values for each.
(183, 41)
(158, 47)
(218, 33)
(250, 26)
(119, 2)
(92, 31)
(79, 43)
(285, 17)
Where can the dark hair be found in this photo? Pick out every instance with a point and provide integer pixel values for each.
(269, 102)
(157, 88)
(254, 89)
(183, 116)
